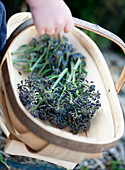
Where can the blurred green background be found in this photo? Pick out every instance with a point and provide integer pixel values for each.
(110, 14)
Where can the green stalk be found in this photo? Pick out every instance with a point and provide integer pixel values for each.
(77, 64)
(18, 64)
(60, 77)
(61, 96)
(55, 50)
(20, 60)
(53, 77)
(26, 50)
(44, 73)
(22, 47)
(22, 56)
(44, 99)
(59, 62)
(71, 75)
(22, 51)
(47, 53)
(41, 69)
(73, 69)
(71, 101)
(84, 71)
(67, 57)
(39, 59)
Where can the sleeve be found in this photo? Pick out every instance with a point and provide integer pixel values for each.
(3, 29)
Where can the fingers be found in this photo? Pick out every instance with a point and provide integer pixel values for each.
(41, 31)
(50, 30)
(57, 28)
(52, 26)
(69, 27)
(46, 30)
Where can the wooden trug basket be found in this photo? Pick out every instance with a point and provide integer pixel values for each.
(57, 145)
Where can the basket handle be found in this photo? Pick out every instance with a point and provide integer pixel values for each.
(79, 23)
(109, 35)
(100, 31)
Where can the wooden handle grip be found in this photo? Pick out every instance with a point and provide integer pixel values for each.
(78, 22)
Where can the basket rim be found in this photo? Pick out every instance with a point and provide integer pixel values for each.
(76, 144)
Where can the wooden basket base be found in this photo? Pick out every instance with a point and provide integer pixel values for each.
(16, 147)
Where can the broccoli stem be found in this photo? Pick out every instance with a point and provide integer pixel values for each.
(39, 59)
(73, 69)
(60, 77)
(20, 60)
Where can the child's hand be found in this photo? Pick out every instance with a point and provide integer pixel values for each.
(51, 16)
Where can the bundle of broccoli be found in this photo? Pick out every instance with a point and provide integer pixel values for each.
(56, 89)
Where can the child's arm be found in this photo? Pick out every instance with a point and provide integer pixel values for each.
(51, 16)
